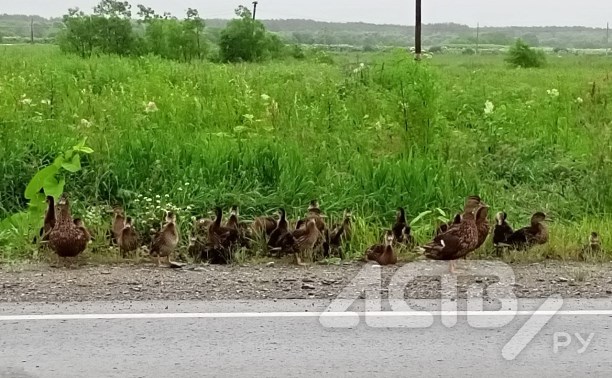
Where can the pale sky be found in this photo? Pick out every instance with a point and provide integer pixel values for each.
(593, 13)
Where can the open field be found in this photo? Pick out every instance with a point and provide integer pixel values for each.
(369, 138)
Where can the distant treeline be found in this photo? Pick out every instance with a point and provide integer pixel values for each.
(20, 28)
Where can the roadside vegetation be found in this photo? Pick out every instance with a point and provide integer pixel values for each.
(155, 115)
(368, 132)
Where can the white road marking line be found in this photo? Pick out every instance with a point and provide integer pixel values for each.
(295, 314)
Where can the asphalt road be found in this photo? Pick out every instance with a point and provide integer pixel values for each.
(287, 339)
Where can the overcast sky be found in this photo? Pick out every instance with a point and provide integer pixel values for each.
(488, 12)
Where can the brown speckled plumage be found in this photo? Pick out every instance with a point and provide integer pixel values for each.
(460, 239)
(66, 238)
(118, 224)
(128, 240)
(302, 240)
(166, 240)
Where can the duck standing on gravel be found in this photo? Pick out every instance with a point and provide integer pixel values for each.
(128, 240)
(166, 240)
(66, 238)
(459, 240)
(383, 254)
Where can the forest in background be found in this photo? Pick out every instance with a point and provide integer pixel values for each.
(21, 28)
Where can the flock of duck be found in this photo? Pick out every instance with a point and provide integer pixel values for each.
(214, 240)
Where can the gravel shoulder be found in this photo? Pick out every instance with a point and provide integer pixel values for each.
(42, 283)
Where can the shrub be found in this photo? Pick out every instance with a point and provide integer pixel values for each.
(521, 55)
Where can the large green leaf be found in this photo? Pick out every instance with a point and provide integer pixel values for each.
(38, 181)
(74, 165)
(53, 187)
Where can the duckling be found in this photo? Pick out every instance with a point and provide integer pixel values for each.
(459, 240)
(81, 225)
(400, 225)
(340, 233)
(199, 239)
(118, 224)
(128, 239)
(482, 223)
(264, 226)
(314, 212)
(302, 240)
(66, 239)
(232, 221)
(501, 231)
(536, 233)
(166, 240)
(383, 254)
(445, 226)
(221, 239)
(280, 232)
(401, 229)
(592, 247)
(49, 220)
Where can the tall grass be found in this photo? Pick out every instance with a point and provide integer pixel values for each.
(370, 138)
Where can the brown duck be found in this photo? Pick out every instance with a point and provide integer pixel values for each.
(264, 226)
(534, 234)
(459, 240)
(118, 224)
(592, 247)
(383, 254)
(302, 240)
(166, 240)
(66, 239)
(314, 212)
(49, 220)
(341, 233)
(280, 232)
(482, 223)
(128, 238)
(81, 225)
(221, 239)
(501, 231)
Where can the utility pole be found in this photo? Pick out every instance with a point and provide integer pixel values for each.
(607, 38)
(417, 31)
(32, 30)
(478, 38)
(254, 9)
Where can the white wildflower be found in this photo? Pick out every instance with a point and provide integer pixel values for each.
(489, 107)
(579, 100)
(85, 123)
(552, 92)
(25, 100)
(151, 107)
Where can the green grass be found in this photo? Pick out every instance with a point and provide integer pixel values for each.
(279, 134)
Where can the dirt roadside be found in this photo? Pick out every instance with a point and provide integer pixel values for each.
(41, 283)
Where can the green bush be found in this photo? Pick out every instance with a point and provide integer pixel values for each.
(521, 55)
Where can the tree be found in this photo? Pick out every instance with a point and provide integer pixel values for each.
(245, 39)
(521, 55)
(114, 26)
(171, 38)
